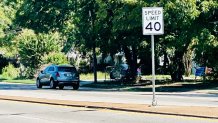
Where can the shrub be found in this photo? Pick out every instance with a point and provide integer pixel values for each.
(83, 66)
(32, 47)
(83, 63)
(10, 72)
(28, 73)
(55, 58)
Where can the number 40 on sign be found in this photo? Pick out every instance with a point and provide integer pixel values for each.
(152, 19)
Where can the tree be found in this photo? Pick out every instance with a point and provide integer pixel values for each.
(205, 41)
(115, 26)
(119, 27)
(206, 46)
(180, 19)
(44, 16)
(8, 30)
(86, 28)
(32, 47)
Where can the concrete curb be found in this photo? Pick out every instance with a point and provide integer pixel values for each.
(139, 108)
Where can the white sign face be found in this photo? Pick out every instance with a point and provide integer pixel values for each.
(152, 20)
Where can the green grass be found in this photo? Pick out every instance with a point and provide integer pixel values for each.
(23, 81)
(101, 75)
(160, 80)
(167, 77)
(161, 86)
(162, 77)
(90, 76)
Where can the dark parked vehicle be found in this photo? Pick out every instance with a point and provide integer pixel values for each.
(58, 75)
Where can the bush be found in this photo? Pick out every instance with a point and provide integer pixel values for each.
(10, 72)
(83, 66)
(55, 58)
(83, 63)
(28, 73)
(32, 47)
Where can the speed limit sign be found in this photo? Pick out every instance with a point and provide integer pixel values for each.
(152, 21)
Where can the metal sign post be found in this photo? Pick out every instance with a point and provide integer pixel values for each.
(152, 21)
(154, 102)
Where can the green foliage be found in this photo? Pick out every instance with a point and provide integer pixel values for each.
(55, 58)
(4, 21)
(206, 50)
(10, 72)
(9, 30)
(180, 16)
(184, 20)
(28, 73)
(45, 16)
(32, 47)
(115, 25)
(83, 63)
(205, 43)
(10, 7)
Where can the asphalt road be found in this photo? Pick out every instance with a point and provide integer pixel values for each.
(20, 112)
(100, 95)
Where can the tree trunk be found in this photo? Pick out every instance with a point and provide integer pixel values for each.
(187, 59)
(166, 64)
(177, 67)
(134, 63)
(127, 55)
(95, 64)
(131, 57)
(93, 39)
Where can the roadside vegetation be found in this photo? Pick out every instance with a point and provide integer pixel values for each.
(83, 77)
(17, 80)
(163, 83)
(89, 76)
(90, 33)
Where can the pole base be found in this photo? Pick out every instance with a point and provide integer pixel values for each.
(154, 103)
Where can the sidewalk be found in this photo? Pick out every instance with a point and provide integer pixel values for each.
(191, 111)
